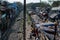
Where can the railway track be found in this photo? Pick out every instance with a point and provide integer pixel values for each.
(42, 35)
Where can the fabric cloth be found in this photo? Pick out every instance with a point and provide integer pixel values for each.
(37, 25)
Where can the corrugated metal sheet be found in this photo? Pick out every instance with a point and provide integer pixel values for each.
(53, 15)
(56, 8)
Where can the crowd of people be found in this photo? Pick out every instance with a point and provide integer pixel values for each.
(8, 13)
(35, 27)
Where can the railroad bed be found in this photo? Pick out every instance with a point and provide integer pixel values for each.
(44, 35)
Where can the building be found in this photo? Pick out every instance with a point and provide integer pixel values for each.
(53, 0)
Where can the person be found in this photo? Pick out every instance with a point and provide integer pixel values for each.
(0, 20)
(37, 26)
(35, 30)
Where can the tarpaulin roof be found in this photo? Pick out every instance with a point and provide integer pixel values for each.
(53, 15)
(48, 24)
(56, 8)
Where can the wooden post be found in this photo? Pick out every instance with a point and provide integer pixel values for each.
(55, 34)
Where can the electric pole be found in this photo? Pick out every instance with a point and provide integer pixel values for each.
(40, 1)
(24, 24)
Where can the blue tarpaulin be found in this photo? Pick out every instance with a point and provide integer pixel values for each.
(48, 24)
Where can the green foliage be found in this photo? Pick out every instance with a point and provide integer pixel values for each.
(42, 4)
(56, 3)
(19, 5)
(28, 19)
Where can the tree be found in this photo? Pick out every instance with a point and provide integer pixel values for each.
(56, 3)
(42, 4)
(20, 6)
